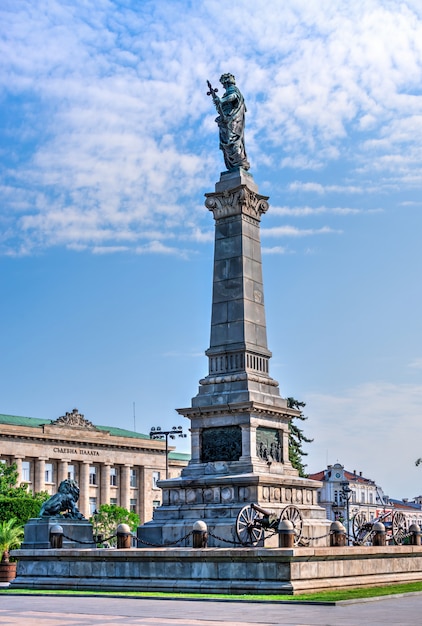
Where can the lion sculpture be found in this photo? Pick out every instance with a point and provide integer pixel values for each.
(64, 501)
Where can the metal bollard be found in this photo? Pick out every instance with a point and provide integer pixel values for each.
(415, 536)
(123, 536)
(286, 534)
(338, 535)
(200, 535)
(379, 536)
(56, 536)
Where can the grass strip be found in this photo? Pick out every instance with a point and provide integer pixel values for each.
(322, 596)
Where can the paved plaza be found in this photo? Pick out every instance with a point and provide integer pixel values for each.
(96, 611)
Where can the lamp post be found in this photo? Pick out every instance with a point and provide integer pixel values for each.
(346, 493)
(158, 433)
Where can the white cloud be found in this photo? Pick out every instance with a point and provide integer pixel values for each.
(113, 129)
(276, 250)
(293, 231)
(308, 211)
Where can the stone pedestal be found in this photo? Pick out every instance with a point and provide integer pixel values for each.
(239, 421)
(76, 533)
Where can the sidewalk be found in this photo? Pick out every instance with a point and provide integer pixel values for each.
(100, 611)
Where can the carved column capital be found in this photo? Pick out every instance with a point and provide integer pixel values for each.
(238, 201)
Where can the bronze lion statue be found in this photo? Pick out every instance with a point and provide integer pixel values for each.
(64, 501)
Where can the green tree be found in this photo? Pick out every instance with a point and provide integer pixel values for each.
(109, 516)
(15, 500)
(8, 481)
(297, 437)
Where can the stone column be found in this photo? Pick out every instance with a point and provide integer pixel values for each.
(18, 462)
(39, 478)
(61, 471)
(125, 486)
(142, 495)
(104, 485)
(248, 442)
(83, 503)
(195, 446)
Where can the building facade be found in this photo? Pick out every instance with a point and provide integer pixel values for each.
(111, 465)
(349, 495)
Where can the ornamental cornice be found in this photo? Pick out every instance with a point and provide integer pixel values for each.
(238, 201)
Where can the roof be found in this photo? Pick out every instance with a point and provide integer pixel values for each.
(34, 422)
(318, 476)
(349, 476)
(179, 456)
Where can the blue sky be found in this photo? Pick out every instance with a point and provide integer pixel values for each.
(107, 146)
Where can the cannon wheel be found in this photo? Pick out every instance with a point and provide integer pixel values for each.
(248, 533)
(293, 515)
(358, 523)
(399, 527)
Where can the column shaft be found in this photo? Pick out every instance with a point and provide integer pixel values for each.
(125, 487)
(83, 503)
(105, 485)
(39, 479)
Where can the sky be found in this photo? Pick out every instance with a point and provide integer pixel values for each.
(108, 144)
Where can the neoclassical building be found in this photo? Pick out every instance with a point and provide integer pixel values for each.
(111, 465)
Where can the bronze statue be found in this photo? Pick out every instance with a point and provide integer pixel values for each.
(231, 123)
(64, 501)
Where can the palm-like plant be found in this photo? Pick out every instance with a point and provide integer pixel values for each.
(11, 535)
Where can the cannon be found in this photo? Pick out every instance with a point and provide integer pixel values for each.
(253, 522)
(396, 527)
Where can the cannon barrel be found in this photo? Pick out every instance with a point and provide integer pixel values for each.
(261, 510)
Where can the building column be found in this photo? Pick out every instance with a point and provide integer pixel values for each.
(83, 504)
(61, 471)
(39, 478)
(104, 485)
(125, 486)
(142, 496)
(18, 462)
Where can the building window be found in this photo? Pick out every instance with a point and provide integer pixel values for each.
(48, 472)
(371, 498)
(362, 497)
(26, 471)
(113, 501)
(93, 475)
(133, 505)
(71, 472)
(133, 478)
(92, 506)
(155, 479)
(113, 476)
(155, 504)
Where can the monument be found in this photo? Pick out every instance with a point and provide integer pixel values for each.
(240, 461)
(239, 421)
(60, 512)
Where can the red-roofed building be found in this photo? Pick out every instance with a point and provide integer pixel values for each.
(366, 499)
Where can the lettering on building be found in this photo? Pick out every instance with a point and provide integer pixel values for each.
(75, 451)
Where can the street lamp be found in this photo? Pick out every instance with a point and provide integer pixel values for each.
(158, 433)
(346, 493)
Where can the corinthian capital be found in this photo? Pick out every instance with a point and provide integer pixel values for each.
(238, 201)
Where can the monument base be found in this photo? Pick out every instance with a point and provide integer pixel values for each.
(217, 501)
(76, 533)
(218, 570)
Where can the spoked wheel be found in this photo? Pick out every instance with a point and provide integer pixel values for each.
(399, 527)
(248, 532)
(358, 523)
(293, 515)
(363, 531)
